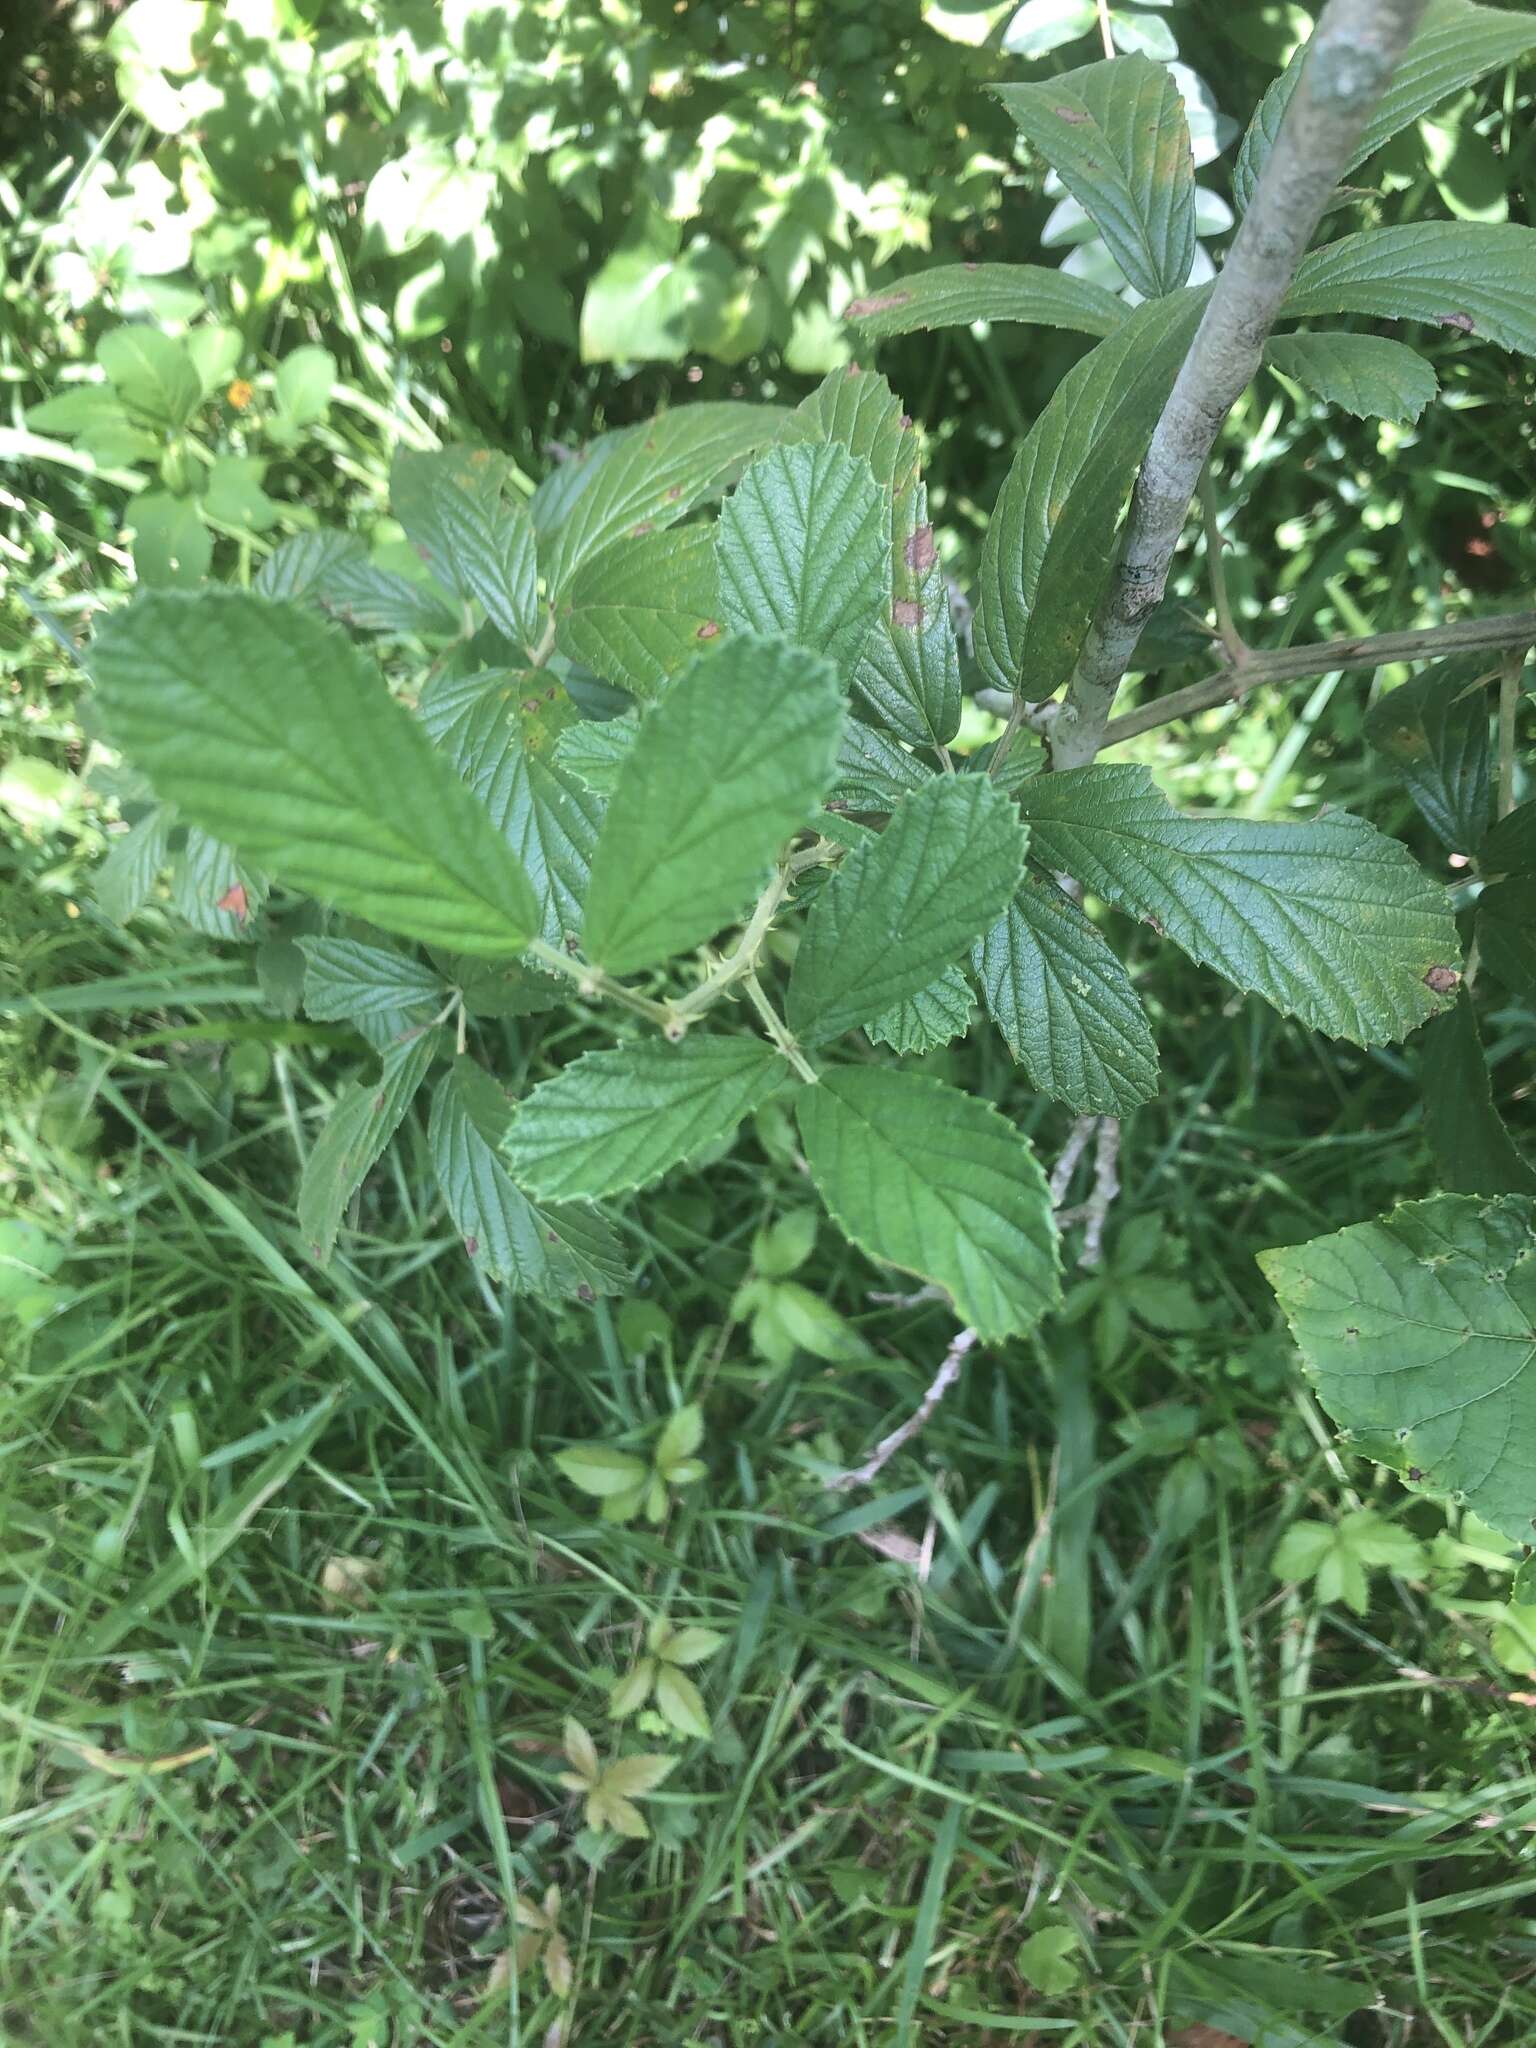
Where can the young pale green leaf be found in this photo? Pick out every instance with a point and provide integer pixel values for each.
(1477, 278)
(734, 759)
(126, 879)
(500, 729)
(476, 539)
(937, 1183)
(1065, 1005)
(652, 476)
(680, 1438)
(1510, 847)
(638, 611)
(956, 294)
(270, 728)
(680, 1703)
(604, 1473)
(1472, 1148)
(1052, 537)
(618, 1119)
(906, 904)
(1434, 730)
(1116, 134)
(908, 669)
(1366, 374)
(931, 1018)
(1329, 921)
(345, 980)
(1506, 935)
(365, 1118)
(1418, 1331)
(596, 750)
(1456, 43)
(152, 374)
(333, 571)
(802, 549)
(556, 1253)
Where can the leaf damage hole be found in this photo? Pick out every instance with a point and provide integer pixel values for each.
(1442, 980)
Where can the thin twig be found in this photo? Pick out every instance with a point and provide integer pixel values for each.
(1216, 568)
(888, 1446)
(1106, 1185)
(1323, 657)
(1071, 1152)
(1353, 54)
(1105, 34)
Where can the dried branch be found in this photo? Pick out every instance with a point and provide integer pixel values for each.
(1353, 54)
(888, 1446)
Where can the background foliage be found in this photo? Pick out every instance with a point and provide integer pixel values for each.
(1128, 1702)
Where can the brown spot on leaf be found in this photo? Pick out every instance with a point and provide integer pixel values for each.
(1463, 322)
(586, 1293)
(235, 901)
(635, 532)
(1073, 116)
(1415, 1473)
(970, 266)
(920, 550)
(882, 302)
(852, 370)
(530, 705)
(471, 1245)
(676, 491)
(906, 421)
(710, 630)
(907, 612)
(1442, 980)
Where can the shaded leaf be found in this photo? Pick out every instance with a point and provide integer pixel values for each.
(478, 540)
(1434, 729)
(365, 1118)
(932, 1017)
(1472, 1148)
(345, 980)
(126, 879)
(1366, 374)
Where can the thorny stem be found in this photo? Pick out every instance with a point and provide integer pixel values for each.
(1509, 698)
(1353, 54)
(592, 981)
(1298, 664)
(742, 957)
(776, 1028)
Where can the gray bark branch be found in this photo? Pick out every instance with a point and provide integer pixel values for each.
(1353, 53)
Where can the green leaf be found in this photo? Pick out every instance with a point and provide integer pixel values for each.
(1473, 1150)
(172, 549)
(477, 541)
(365, 1118)
(956, 294)
(733, 760)
(273, 730)
(302, 390)
(152, 374)
(345, 980)
(1051, 541)
(215, 891)
(930, 1018)
(603, 1473)
(235, 497)
(680, 1703)
(1510, 846)
(1328, 920)
(1366, 374)
(874, 771)
(1049, 1961)
(499, 730)
(1455, 44)
(681, 1437)
(1418, 1330)
(653, 476)
(596, 750)
(1434, 730)
(93, 415)
(903, 906)
(1065, 1005)
(937, 1183)
(802, 549)
(126, 879)
(639, 610)
(1506, 934)
(618, 1119)
(332, 570)
(1452, 273)
(1116, 134)
(546, 1251)
(908, 669)
(215, 353)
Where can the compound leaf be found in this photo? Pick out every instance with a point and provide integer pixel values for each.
(619, 1119)
(734, 759)
(1418, 1330)
(903, 906)
(938, 1183)
(269, 728)
(1329, 921)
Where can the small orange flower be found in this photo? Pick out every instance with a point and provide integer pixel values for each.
(240, 394)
